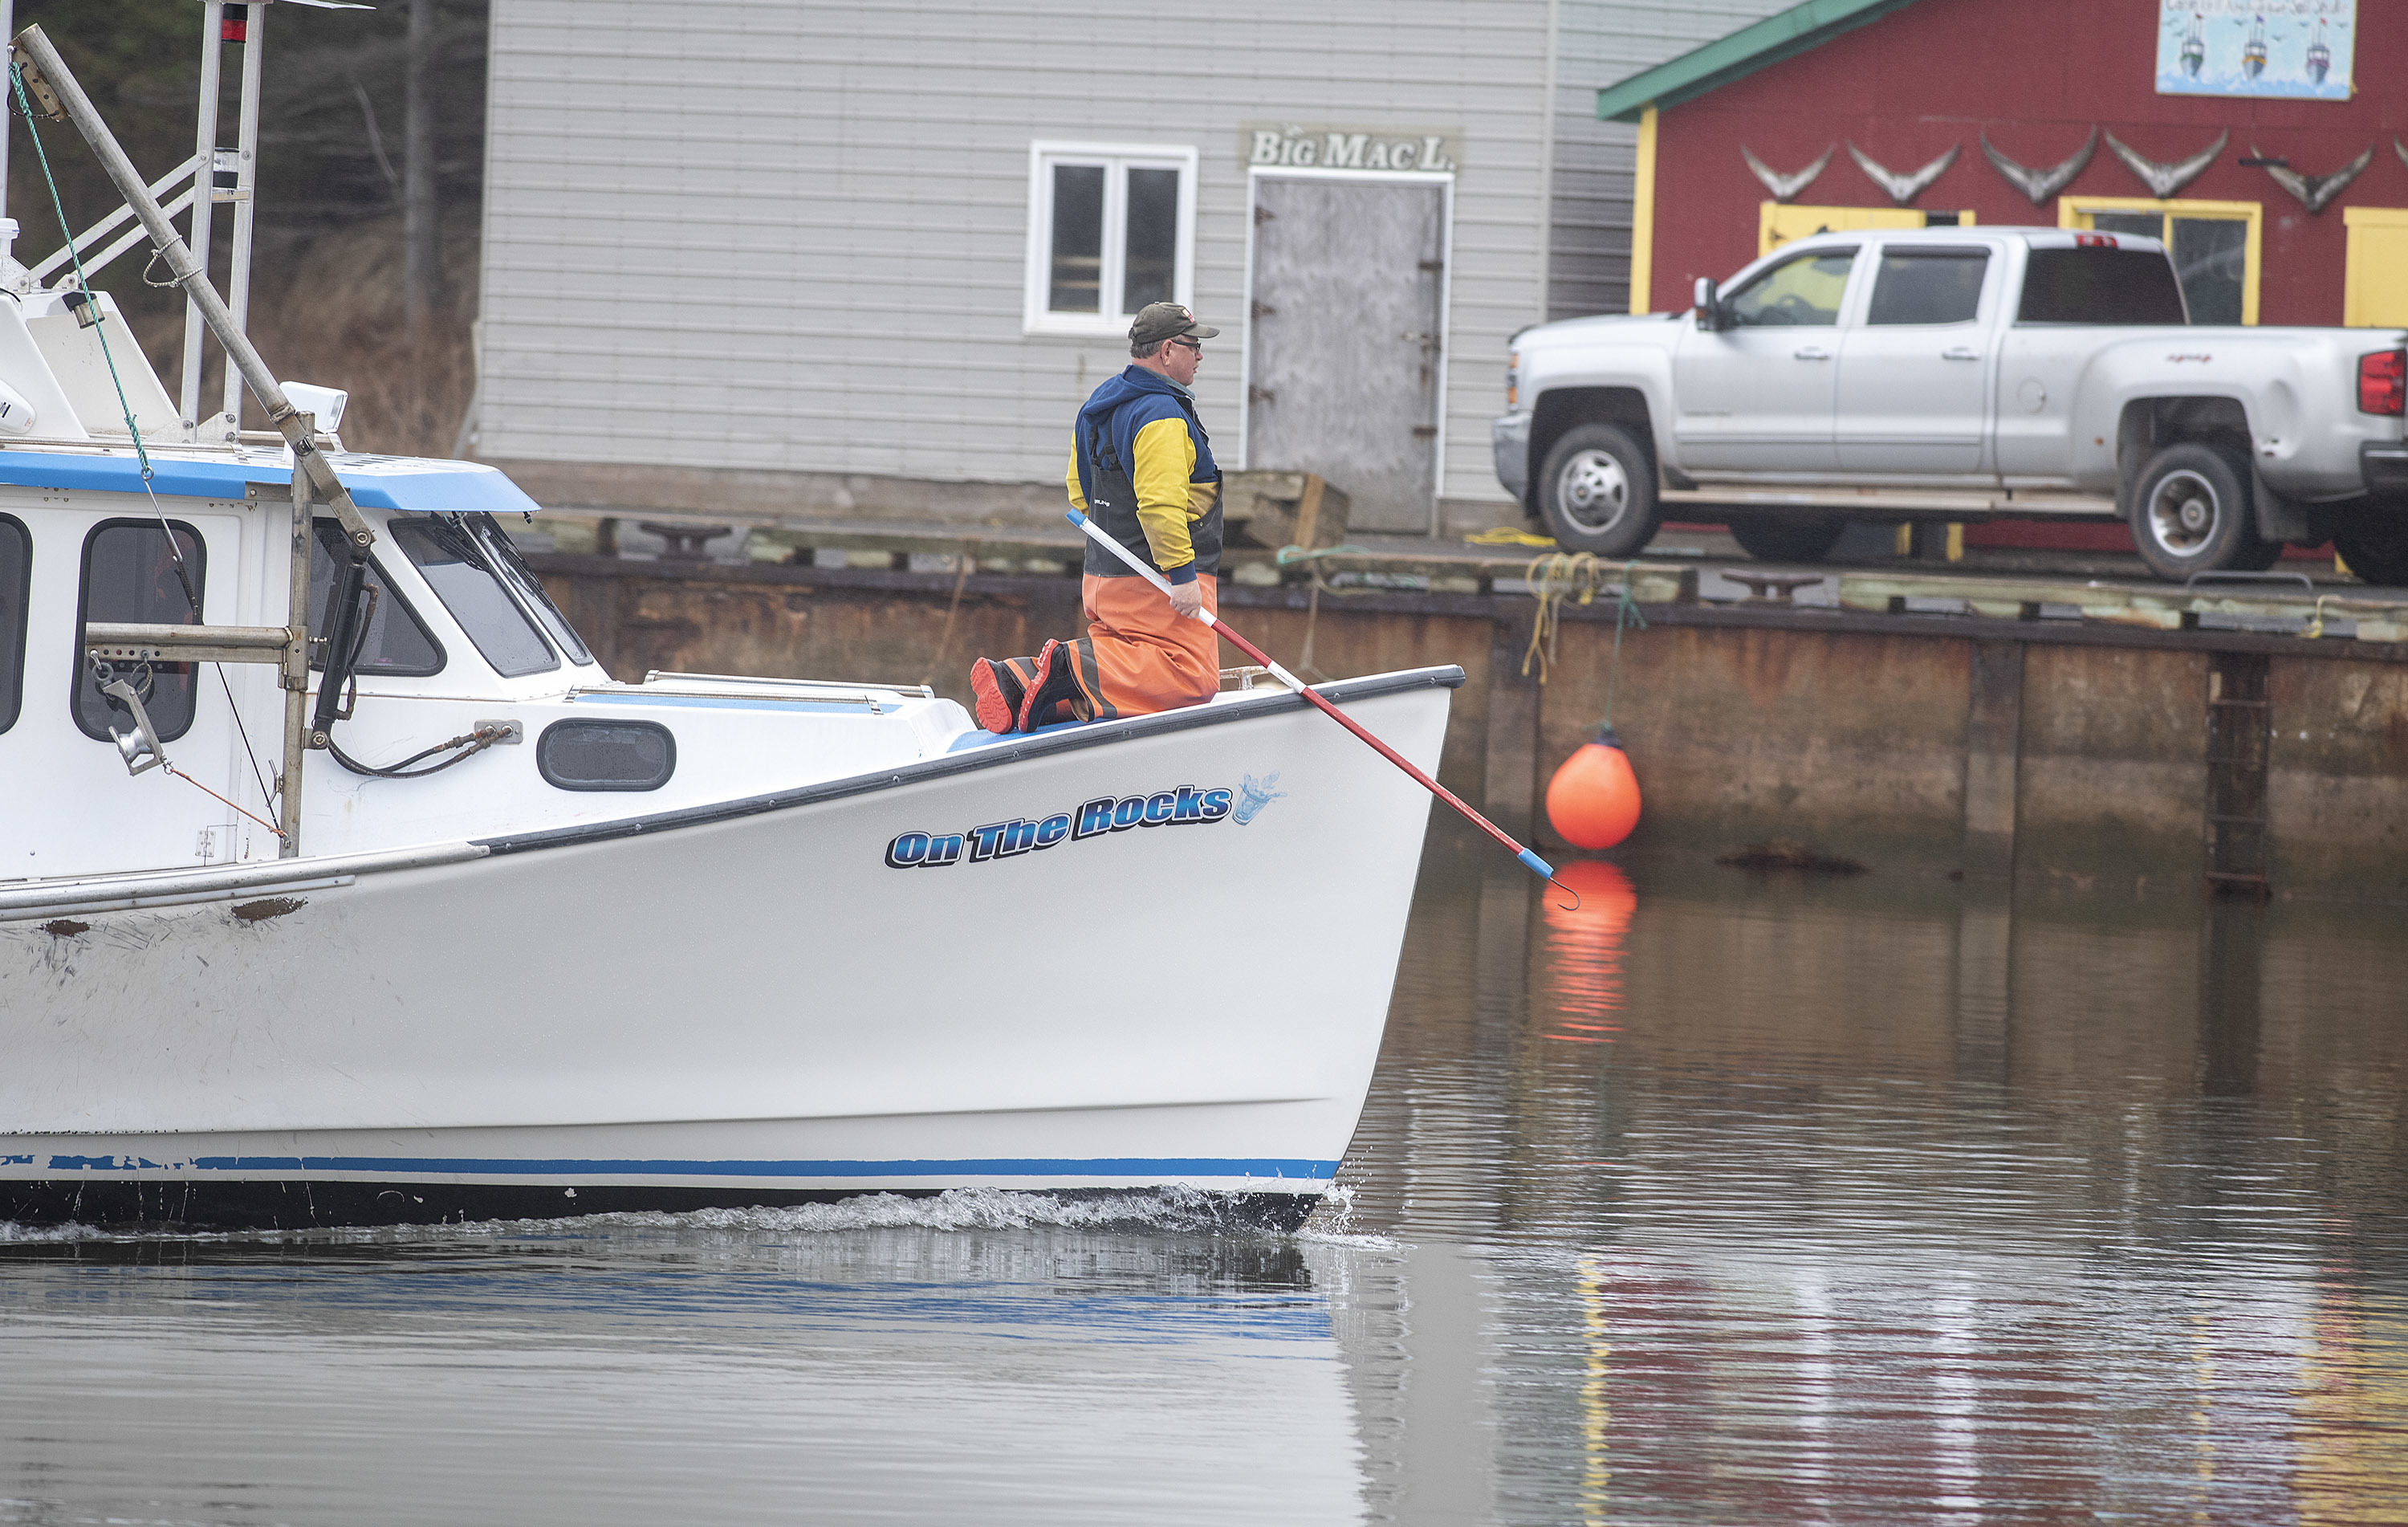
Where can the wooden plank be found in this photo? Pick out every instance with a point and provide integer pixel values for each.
(1993, 755)
(1512, 736)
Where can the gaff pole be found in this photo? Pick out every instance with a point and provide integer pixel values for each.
(1536, 865)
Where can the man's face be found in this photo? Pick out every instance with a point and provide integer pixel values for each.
(1179, 359)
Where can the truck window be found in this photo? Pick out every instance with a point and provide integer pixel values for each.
(1803, 293)
(1928, 286)
(2099, 286)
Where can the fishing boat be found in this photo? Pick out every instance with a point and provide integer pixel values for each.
(2319, 54)
(2194, 45)
(2253, 51)
(340, 885)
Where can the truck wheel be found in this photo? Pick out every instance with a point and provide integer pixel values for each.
(2377, 553)
(2192, 514)
(1597, 492)
(1803, 538)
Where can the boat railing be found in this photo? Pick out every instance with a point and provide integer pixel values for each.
(666, 676)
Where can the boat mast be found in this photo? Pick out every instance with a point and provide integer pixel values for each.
(205, 195)
(53, 89)
(246, 143)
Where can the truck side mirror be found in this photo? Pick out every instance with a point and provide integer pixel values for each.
(1709, 316)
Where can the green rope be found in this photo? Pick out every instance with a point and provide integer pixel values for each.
(75, 257)
(1623, 611)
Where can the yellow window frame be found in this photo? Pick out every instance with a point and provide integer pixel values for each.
(2375, 290)
(1781, 223)
(2075, 212)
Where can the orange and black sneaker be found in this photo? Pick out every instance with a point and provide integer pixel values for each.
(1053, 686)
(998, 692)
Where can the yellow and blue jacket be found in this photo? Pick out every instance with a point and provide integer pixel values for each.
(1142, 467)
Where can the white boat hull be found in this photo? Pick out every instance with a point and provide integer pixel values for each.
(748, 1003)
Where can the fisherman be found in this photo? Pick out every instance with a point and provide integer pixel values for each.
(1141, 468)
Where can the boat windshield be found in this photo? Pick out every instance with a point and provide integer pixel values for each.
(460, 570)
(396, 642)
(522, 578)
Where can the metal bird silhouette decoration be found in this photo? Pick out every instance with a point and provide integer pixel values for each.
(2040, 185)
(2163, 181)
(2317, 191)
(1785, 186)
(1903, 189)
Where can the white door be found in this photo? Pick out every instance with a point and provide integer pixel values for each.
(1913, 396)
(1758, 396)
(1345, 339)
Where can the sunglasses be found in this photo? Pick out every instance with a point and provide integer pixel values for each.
(1190, 344)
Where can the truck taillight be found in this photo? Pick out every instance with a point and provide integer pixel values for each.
(1512, 379)
(2382, 382)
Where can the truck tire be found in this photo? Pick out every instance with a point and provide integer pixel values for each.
(2191, 514)
(2376, 554)
(1597, 492)
(1786, 538)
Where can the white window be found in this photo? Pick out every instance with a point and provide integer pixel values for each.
(1111, 226)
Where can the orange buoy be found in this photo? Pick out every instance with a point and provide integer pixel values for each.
(1592, 800)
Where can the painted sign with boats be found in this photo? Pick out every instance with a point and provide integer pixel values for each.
(2298, 50)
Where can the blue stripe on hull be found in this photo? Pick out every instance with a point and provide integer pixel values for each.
(1146, 1168)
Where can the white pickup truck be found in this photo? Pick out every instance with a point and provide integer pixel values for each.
(1962, 374)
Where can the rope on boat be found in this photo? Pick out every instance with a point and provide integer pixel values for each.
(141, 454)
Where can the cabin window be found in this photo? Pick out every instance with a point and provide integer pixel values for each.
(16, 592)
(1928, 286)
(130, 573)
(1110, 229)
(460, 569)
(398, 643)
(607, 754)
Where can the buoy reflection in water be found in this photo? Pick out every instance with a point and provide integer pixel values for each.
(1585, 949)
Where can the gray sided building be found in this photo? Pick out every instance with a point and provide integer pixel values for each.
(859, 259)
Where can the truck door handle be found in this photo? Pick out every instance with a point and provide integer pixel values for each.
(1813, 353)
(1960, 353)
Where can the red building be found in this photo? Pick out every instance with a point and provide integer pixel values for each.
(1905, 83)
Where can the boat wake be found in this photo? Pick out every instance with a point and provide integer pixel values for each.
(1183, 1210)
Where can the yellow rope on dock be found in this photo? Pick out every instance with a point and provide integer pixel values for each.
(1505, 535)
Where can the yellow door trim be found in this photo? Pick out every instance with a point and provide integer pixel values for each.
(2374, 283)
(1642, 215)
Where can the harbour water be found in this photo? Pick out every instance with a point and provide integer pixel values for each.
(1727, 1197)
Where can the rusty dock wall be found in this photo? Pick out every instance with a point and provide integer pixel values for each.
(2082, 754)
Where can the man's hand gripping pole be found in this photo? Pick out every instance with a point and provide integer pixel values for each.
(1536, 865)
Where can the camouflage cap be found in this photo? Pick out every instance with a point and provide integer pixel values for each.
(1160, 320)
